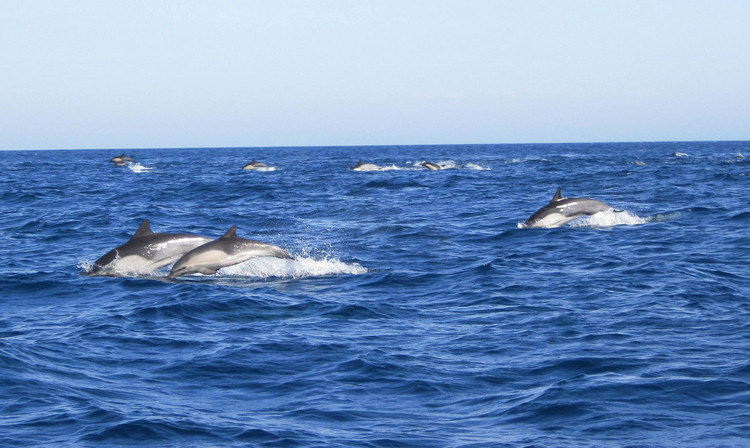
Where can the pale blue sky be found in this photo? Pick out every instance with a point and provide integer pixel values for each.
(149, 73)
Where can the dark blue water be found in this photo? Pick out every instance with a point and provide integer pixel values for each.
(417, 312)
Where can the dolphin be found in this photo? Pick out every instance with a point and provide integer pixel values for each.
(361, 166)
(432, 166)
(146, 251)
(561, 210)
(254, 165)
(226, 251)
(121, 159)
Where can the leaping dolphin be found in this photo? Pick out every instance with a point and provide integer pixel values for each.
(226, 251)
(561, 210)
(432, 166)
(254, 165)
(361, 166)
(146, 251)
(121, 159)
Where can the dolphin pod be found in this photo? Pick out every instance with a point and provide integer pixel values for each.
(147, 251)
(561, 210)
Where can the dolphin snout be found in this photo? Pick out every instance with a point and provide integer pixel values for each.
(174, 273)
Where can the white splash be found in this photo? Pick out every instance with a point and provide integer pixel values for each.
(391, 167)
(269, 267)
(527, 159)
(474, 166)
(609, 218)
(256, 268)
(85, 265)
(138, 168)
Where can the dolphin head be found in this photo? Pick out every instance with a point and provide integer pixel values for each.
(178, 270)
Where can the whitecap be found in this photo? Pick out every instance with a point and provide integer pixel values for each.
(476, 166)
(391, 167)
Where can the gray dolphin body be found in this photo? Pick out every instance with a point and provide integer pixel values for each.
(432, 166)
(226, 251)
(254, 165)
(561, 210)
(121, 159)
(361, 166)
(146, 251)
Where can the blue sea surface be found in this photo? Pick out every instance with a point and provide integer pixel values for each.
(418, 311)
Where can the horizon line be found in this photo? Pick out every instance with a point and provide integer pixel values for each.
(369, 145)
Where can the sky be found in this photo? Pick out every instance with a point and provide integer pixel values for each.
(223, 73)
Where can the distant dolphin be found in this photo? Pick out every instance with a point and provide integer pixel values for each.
(121, 159)
(432, 166)
(254, 165)
(361, 166)
(226, 251)
(561, 210)
(146, 251)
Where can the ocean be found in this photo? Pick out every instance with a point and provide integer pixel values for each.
(418, 310)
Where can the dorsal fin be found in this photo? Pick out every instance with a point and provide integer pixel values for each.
(231, 233)
(558, 195)
(253, 161)
(143, 230)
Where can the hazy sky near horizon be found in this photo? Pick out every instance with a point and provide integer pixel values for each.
(145, 73)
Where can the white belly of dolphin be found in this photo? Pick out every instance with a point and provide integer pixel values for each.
(135, 264)
(553, 220)
(211, 259)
